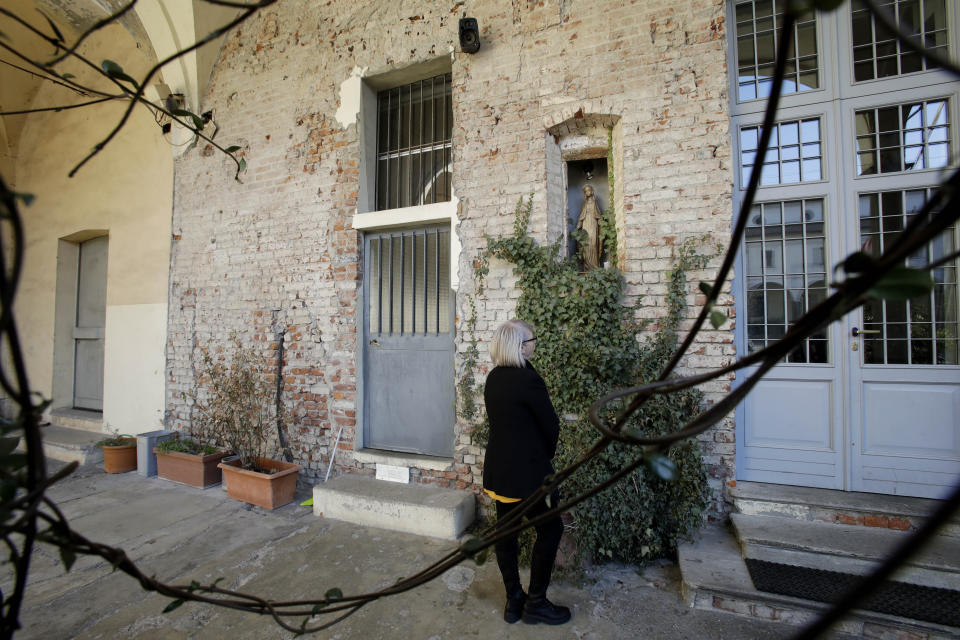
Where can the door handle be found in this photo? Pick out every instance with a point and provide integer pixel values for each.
(859, 332)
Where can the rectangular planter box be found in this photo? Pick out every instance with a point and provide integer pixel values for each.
(267, 490)
(186, 468)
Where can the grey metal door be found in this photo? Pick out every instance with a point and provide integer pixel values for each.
(408, 341)
(88, 331)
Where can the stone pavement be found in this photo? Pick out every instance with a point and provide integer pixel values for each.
(181, 534)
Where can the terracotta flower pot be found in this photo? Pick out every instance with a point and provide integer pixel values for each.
(120, 458)
(267, 490)
(186, 468)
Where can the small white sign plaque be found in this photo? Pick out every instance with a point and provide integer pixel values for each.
(393, 473)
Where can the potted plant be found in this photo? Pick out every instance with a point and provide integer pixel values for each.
(119, 453)
(187, 461)
(238, 406)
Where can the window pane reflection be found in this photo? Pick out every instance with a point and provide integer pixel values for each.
(923, 330)
(786, 273)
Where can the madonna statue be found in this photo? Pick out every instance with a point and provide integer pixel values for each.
(589, 221)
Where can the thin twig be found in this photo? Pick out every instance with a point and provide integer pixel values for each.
(64, 107)
(42, 76)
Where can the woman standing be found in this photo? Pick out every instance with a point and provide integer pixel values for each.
(523, 439)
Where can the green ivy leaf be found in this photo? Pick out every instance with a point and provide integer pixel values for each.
(68, 557)
(706, 287)
(243, 164)
(26, 198)
(114, 70)
(67, 76)
(481, 557)
(173, 605)
(194, 585)
(8, 444)
(197, 120)
(59, 35)
(902, 283)
(233, 148)
(8, 489)
(472, 546)
(14, 461)
(858, 262)
(663, 466)
(333, 593)
(317, 608)
(717, 318)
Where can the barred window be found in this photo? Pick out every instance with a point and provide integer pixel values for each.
(414, 132)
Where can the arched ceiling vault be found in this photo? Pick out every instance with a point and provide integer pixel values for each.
(159, 28)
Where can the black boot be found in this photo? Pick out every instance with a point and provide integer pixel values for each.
(542, 610)
(538, 608)
(514, 607)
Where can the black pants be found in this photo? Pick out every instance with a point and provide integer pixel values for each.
(544, 551)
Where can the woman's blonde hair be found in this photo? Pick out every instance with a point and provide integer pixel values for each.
(507, 344)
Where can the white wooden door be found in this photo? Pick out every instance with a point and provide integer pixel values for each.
(865, 130)
(903, 426)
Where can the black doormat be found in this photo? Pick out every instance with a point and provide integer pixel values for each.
(932, 604)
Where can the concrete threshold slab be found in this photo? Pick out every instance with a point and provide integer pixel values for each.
(845, 549)
(77, 419)
(715, 578)
(828, 505)
(411, 508)
(69, 445)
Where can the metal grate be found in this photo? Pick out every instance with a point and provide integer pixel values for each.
(409, 280)
(414, 143)
(940, 606)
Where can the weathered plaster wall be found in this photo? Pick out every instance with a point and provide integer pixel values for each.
(125, 191)
(275, 256)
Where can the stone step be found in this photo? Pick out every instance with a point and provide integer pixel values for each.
(411, 508)
(68, 445)
(77, 419)
(715, 577)
(846, 549)
(839, 507)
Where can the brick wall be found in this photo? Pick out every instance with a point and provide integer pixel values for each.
(276, 258)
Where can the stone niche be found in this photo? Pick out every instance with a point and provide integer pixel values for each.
(579, 152)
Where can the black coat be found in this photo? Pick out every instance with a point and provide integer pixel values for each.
(523, 432)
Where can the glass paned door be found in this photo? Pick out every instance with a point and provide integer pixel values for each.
(873, 404)
(904, 377)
